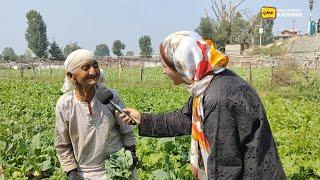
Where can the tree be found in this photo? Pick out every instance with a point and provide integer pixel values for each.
(145, 46)
(0, 56)
(224, 32)
(27, 55)
(9, 54)
(55, 51)
(217, 31)
(214, 30)
(224, 11)
(36, 34)
(102, 50)
(239, 32)
(206, 28)
(117, 47)
(267, 36)
(130, 53)
(70, 48)
(21, 58)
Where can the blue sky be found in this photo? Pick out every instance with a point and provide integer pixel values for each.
(102, 21)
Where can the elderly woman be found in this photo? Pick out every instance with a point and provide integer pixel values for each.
(86, 130)
(231, 136)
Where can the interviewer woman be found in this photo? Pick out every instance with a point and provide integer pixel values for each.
(230, 132)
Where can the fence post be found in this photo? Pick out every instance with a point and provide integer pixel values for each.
(271, 76)
(141, 71)
(50, 68)
(119, 68)
(20, 68)
(33, 68)
(21, 71)
(250, 73)
(318, 69)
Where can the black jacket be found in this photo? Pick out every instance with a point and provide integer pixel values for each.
(236, 126)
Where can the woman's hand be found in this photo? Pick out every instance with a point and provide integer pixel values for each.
(135, 116)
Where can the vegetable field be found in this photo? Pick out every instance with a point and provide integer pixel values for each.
(27, 123)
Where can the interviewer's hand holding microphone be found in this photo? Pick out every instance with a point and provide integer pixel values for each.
(130, 116)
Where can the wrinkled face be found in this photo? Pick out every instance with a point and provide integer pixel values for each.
(87, 74)
(174, 75)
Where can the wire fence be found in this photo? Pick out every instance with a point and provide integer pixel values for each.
(259, 71)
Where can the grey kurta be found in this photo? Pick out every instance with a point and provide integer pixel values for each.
(84, 141)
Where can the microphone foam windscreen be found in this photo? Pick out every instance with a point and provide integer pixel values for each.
(104, 95)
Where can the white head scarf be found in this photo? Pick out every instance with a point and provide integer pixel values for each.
(74, 61)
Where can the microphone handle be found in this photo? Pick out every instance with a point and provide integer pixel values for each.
(133, 122)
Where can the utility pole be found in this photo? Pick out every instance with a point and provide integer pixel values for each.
(310, 8)
(310, 17)
(261, 31)
(293, 23)
(266, 13)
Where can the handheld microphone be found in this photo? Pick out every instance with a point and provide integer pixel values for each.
(105, 96)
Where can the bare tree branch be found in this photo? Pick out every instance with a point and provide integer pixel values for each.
(239, 4)
(222, 9)
(215, 12)
(222, 12)
(217, 8)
